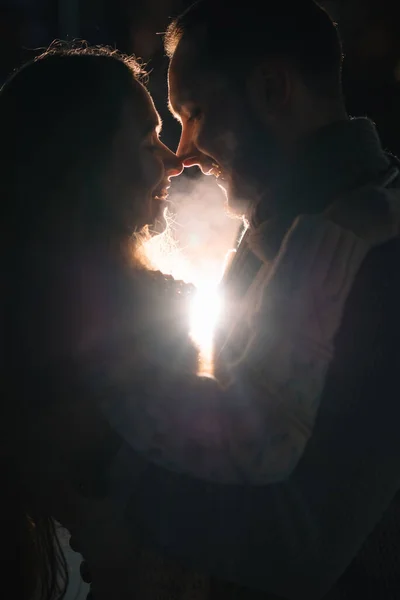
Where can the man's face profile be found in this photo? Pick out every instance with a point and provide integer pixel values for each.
(218, 133)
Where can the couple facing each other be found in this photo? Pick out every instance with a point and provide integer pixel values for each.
(99, 370)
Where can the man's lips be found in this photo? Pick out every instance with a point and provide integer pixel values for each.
(216, 171)
(207, 166)
(213, 169)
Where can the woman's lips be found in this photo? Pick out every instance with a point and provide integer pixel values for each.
(161, 194)
(162, 197)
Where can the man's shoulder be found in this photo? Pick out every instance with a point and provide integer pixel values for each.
(379, 274)
(366, 345)
(374, 299)
(387, 252)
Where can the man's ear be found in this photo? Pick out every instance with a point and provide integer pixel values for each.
(268, 89)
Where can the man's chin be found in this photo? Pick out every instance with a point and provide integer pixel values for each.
(236, 206)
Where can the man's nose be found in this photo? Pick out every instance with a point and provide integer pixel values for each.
(172, 163)
(188, 152)
(191, 156)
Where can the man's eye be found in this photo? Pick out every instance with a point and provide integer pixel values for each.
(195, 114)
(152, 144)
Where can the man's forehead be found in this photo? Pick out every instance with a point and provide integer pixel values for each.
(187, 65)
(182, 72)
(185, 54)
(189, 79)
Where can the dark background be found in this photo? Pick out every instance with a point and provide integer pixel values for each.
(370, 30)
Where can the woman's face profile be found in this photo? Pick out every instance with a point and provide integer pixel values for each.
(141, 165)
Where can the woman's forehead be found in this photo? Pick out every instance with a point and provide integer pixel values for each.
(144, 111)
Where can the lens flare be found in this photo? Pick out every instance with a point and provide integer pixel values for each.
(193, 248)
(162, 253)
(204, 313)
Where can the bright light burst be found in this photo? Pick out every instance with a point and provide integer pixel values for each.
(204, 313)
(163, 253)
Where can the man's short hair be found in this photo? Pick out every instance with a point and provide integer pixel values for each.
(230, 38)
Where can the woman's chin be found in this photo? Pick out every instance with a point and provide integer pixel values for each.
(158, 221)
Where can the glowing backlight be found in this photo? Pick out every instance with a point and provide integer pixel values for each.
(204, 313)
(193, 248)
(163, 254)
